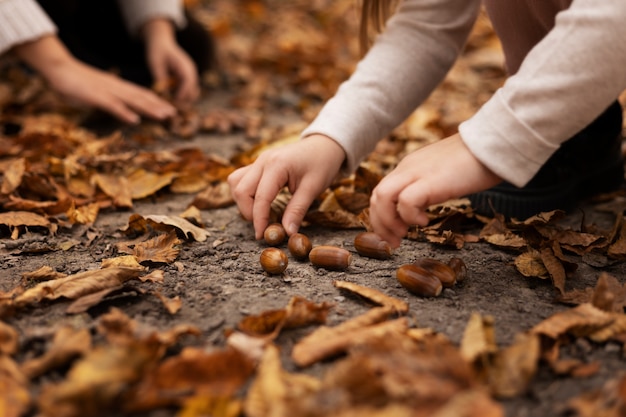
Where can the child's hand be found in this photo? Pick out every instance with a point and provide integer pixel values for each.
(307, 167)
(433, 174)
(165, 57)
(89, 85)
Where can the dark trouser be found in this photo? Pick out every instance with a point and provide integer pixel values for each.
(94, 31)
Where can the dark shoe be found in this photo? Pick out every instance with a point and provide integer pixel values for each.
(589, 163)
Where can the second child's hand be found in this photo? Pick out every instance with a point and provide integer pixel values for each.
(91, 86)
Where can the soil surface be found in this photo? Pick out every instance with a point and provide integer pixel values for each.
(220, 281)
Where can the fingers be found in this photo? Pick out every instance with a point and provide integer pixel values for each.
(298, 206)
(189, 86)
(384, 217)
(253, 189)
(270, 183)
(144, 101)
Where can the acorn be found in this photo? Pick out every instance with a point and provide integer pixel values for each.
(330, 257)
(274, 234)
(418, 280)
(459, 268)
(441, 271)
(371, 245)
(299, 245)
(273, 261)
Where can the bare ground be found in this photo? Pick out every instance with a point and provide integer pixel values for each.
(220, 281)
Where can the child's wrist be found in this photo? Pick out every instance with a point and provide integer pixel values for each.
(158, 30)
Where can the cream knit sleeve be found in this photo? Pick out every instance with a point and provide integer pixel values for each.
(565, 82)
(406, 63)
(138, 12)
(22, 21)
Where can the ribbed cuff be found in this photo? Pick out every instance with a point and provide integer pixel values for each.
(504, 144)
(22, 21)
(138, 12)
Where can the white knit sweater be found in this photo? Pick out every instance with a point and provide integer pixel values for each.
(563, 84)
(25, 20)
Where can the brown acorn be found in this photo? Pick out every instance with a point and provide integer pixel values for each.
(459, 268)
(274, 234)
(371, 245)
(330, 257)
(273, 261)
(299, 245)
(418, 280)
(441, 271)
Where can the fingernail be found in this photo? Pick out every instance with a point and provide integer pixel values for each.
(292, 228)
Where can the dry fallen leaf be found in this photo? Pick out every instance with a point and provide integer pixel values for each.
(77, 285)
(68, 344)
(376, 296)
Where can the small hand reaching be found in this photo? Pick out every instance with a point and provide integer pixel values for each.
(431, 175)
(306, 167)
(89, 85)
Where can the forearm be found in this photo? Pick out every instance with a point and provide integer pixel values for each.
(45, 55)
(406, 63)
(564, 83)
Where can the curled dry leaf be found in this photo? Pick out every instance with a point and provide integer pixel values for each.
(298, 313)
(194, 371)
(161, 249)
(276, 392)
(14, 220)
(96, 382)
(216, 195)
(172, 305)
(582, 320)
(68, 344)
(78, 285)
(479, 339)
(16, 399)
(9, 341)
(328, 342)
(376, 296)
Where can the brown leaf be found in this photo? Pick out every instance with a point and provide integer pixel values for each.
(554, 267)
(172, 305)
(607, 401)
(376, 296)
(275, 392)
(512, 369)
(579, 321)
(160, 249)
(479, 340)
(327, 342)
(45, 273)
(215, 196)
(298, 313)
(140, 225)
(68, 343)
(16, 398)
(86, 214)
(617, 249)
(213, 374)
(16, 219)
(12, 174)
(143, 184)
(116, 187)
(530, 264)
(9, 341)
(78, 285)
(96, 382)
